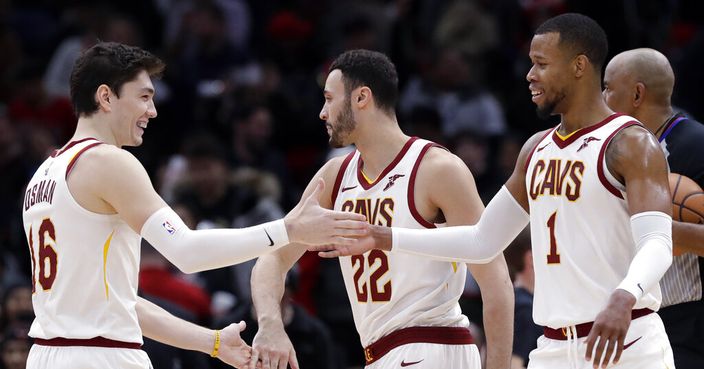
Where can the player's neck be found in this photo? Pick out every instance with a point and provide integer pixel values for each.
(655, 118)
(379, 144)
(90, 127)
(584, 113)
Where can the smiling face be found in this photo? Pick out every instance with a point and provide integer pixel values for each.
(337, 111)
(548, 77)
(133, 109)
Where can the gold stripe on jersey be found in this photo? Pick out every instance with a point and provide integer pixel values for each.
(106, 247)
(564, 138)
(454, 266)
(367, 178)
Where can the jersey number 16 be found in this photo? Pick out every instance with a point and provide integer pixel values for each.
(48, 258)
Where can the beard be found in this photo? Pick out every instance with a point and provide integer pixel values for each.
(342, 128)
(548, 109)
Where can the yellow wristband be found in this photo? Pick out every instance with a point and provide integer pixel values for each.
(216, 345)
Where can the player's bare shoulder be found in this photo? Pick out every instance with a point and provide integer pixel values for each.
(328, 172)
(103, 162)
(439, 162)
(630, 148)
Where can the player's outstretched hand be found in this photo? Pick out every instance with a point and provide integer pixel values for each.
(233, 350)
(311, 224)
(272, 349)
(609, 329)
(379, 237)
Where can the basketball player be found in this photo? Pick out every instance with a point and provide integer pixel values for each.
(639, 83)
(596, 192)
(85, 209)
(405, 307)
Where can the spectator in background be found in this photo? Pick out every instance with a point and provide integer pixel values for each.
(220, 197)
(310, 336)
(14, 349)
(17, 313)
(475, 151)
(525, 332)
(252, 131)
(87, 19)
(452, 86)
(425, 121)
(207, 188)
(34, 106)
(15, 169)
(468, 28)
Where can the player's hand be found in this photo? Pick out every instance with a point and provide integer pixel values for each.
(609, 329)
(379, 237)
(233, 350)
(272, 348)
(310, 224)
(356, 247)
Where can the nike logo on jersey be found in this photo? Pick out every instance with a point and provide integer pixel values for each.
(348, 188)
(632, 342)
(405, 364)
(271, 242)
(392, 180)
(541, 148)
(641, 288)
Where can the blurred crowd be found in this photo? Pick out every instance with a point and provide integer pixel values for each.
(238, 136)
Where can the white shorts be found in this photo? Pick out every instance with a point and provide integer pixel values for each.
(430, 356)
(81, 357)
(650, 349)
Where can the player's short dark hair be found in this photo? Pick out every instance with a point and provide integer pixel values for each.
(581, 34)
(112, 64)
(372, 69)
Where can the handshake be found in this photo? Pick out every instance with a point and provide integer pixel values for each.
(333, 233)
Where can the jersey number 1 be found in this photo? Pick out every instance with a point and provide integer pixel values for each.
(553, 256)
(48, 258)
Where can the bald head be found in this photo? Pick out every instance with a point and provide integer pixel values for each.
(637, 77)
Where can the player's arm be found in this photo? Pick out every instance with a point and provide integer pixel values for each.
(271, 345)
(122, 182)
(161, 326)
(457, 198)
(503, 219)
(636, 160)
(688, 237)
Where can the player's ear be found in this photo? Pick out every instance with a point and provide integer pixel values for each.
(638, 94)
(363, 97)
(581, 63)
(102, 97)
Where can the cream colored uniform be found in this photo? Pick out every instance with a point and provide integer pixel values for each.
(583, 247)
(85, 268)
(390, 291)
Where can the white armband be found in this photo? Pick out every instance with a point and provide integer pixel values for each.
(194, 251)
(503, 219)
(652, 232)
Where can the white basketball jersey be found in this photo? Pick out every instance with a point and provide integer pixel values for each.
(390, 291)
(580, 226)
(84, 265)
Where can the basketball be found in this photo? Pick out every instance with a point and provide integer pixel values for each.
(687, 202)
(687, 199)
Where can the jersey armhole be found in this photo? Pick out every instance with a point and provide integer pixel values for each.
(340, 174)
(76, 156)
(412, 184)
(532, 151)
(606, 178)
